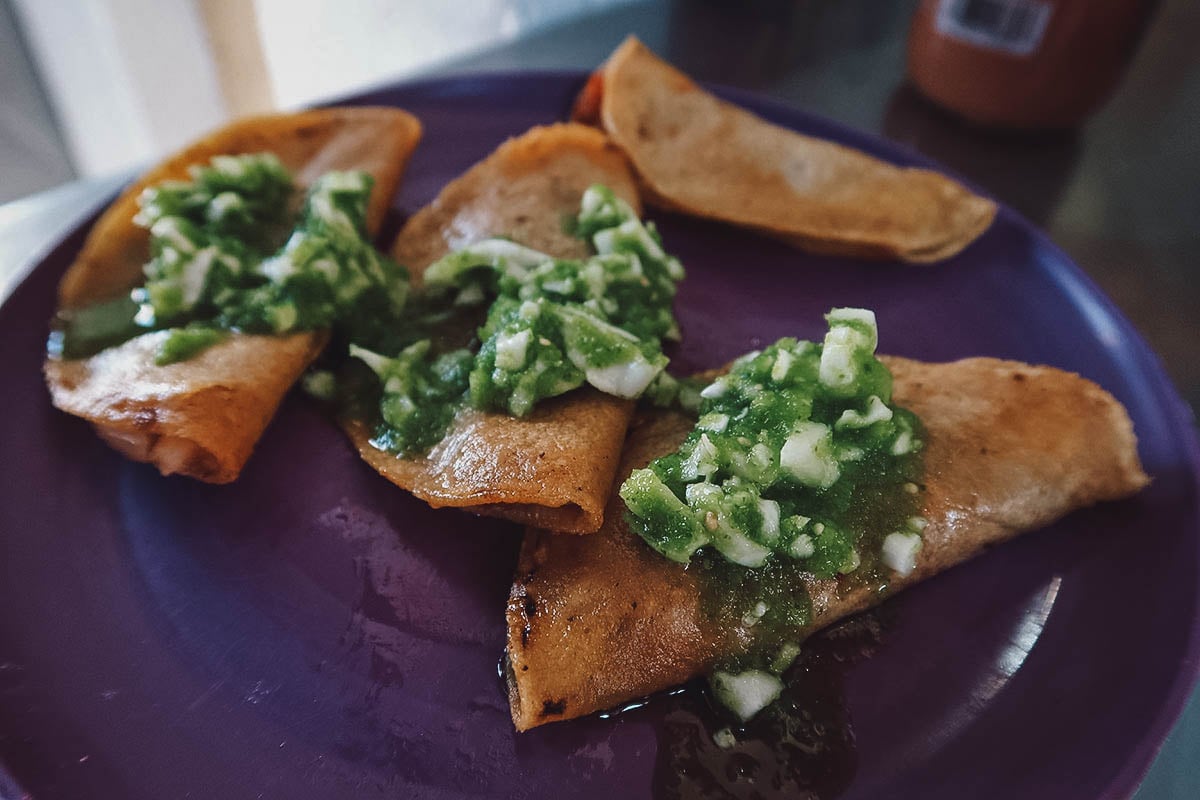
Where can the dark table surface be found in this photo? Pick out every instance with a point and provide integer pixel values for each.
(1121, 195)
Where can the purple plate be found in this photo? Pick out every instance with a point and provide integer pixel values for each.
(312, 632)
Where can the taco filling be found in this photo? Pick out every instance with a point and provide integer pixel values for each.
(222, 259)
(504, 245)
(553, 325)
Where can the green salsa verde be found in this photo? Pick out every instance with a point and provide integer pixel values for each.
(552, 325)
(183, 343)
(799, 467)
(229, 252)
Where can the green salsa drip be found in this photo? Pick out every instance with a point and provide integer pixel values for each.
(228, 252)
(420, 394)
(799, 468)
(83, 332)
(552, 325)
(183, 343)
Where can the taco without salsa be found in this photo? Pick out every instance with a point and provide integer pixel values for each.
(700, 155)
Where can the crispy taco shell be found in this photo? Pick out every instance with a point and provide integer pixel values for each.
(703, 156)
(552, 469)
(202, 417)
(596, 621)
(555, 467)
(525, 190)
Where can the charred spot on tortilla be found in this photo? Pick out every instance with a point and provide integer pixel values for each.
(699, 155)
(554, 708)
(209, 410)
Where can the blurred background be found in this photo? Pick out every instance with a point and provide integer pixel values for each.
(96, 86)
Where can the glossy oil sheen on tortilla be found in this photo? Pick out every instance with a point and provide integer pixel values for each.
(703, 156)
(600, 620)
(555, 467)
(202, 417)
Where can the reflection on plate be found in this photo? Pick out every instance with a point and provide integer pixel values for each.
(310, 631)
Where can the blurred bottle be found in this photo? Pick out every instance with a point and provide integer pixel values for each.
(1023, 63)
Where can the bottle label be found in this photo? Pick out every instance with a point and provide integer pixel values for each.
(1010, 26)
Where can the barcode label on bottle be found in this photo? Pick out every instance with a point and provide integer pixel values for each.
(1013, 26)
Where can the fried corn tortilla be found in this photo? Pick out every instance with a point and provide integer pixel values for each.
(703, 156)
(202, 417)
(555, 467)
(596, 621)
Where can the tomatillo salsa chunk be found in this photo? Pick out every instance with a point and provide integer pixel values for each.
(230, 252)
(786, 445)
(799, 467)
(552, 325)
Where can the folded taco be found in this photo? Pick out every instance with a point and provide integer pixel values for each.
(701, 155)
(525, 427)
(204, 291)
(817, 481)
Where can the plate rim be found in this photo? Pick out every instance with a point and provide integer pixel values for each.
(1181, 417)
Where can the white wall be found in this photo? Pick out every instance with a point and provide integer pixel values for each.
(133, 79)
(32, 154)
(128, 79)
(318, 48)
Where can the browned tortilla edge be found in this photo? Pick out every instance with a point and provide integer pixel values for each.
(1010, 448)
(205, 420)
(554, 468)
